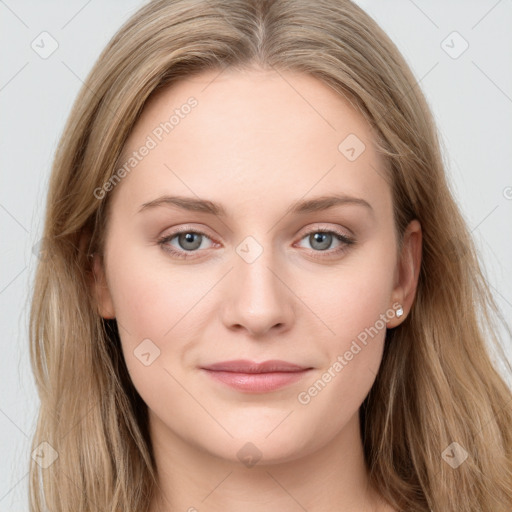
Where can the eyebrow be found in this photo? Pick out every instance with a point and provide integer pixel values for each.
(300, 207)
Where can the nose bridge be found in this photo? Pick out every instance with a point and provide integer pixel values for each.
(259, 300)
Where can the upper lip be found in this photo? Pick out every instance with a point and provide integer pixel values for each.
(245, 366)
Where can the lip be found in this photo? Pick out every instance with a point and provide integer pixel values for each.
(252, 377)
(246, 366)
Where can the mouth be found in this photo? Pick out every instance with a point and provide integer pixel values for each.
(251, 377)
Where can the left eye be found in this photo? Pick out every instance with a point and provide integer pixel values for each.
(321, 240)
(188, 241)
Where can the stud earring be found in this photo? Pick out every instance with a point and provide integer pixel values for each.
(399, 312)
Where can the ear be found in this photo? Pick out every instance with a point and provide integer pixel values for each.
(407, 271)
(101, 290)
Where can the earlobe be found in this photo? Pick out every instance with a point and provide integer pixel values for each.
(101, 290)
(408, 271)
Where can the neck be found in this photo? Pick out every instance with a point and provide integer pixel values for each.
(333, 478)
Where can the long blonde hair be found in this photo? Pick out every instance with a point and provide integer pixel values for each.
(437, 384)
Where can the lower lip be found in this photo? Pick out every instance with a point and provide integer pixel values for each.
(257, 382)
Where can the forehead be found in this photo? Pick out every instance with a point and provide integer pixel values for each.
(253, 132)
(261, 102)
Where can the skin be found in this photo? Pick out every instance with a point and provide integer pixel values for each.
(257, 142)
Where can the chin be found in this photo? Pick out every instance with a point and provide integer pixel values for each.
(266, 447)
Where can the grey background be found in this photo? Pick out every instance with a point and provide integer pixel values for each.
(471, 97)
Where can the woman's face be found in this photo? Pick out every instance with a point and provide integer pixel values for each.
(249, 264)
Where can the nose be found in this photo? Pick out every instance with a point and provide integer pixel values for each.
(258, 299)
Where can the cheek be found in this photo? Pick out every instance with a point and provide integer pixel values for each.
(355, 306)
(155, 305)
(150, 295)
(156, 310)
(353, 296)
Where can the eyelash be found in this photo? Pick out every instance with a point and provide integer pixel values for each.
(190, 254)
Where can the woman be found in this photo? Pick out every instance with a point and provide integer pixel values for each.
(259, 292)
